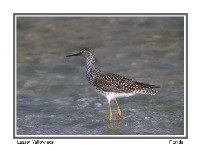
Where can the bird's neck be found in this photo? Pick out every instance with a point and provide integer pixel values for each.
(90, 64)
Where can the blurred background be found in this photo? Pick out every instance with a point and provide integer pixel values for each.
(54, 97)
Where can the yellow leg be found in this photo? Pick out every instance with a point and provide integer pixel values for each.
(118, 109)
(110, 112)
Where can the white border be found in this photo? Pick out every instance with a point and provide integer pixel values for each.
(104, 136)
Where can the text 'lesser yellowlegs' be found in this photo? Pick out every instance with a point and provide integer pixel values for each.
(111, 85)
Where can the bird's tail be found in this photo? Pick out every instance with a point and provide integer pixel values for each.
(146, 88)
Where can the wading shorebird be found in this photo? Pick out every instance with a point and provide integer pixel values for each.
(111, 85)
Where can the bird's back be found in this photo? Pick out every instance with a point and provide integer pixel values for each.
(110, 82)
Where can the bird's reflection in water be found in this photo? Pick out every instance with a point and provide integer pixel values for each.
(111, 128)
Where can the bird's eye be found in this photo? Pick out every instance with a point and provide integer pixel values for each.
(83, 51)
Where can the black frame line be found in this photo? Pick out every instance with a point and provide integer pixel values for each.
(96, 136)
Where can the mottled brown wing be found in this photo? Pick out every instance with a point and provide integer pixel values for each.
(111, 82)
(105, 85)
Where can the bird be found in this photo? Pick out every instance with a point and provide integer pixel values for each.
(111, 85)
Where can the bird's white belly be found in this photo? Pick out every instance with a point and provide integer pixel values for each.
(111, 95)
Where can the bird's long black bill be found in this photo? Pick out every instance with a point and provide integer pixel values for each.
(77, 54)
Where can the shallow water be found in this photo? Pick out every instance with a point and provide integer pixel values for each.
(54, 98)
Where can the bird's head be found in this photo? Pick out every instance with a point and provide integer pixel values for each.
(85, 52)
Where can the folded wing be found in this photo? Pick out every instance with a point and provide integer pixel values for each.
(110, 82)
